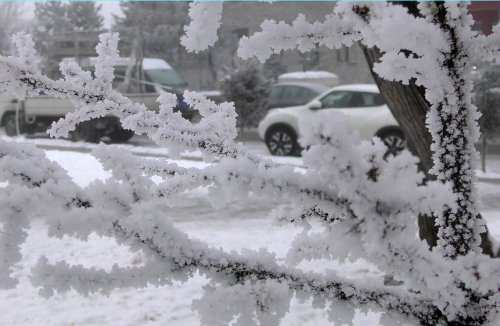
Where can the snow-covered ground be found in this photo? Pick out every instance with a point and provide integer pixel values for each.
(235, 226)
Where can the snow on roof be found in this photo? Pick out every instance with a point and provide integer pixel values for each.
(495, 90)
(152, 63)
(371, 88)
(308, 75)
(210, 93)
(320, 88)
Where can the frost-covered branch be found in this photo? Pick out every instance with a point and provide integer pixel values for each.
(201, 33)
(487, 47)
(142, 227)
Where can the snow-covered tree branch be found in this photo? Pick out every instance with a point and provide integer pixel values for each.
(342, 187)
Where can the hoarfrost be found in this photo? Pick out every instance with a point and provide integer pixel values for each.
(344, 186)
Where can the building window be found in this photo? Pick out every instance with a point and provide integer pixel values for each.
(478, 26)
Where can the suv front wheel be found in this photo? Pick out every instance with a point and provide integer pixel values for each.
(395, 141)
(282, 141)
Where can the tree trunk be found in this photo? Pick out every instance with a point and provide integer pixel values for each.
(409, 107)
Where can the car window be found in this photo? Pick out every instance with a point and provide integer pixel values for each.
(125, 86)
(293, 93)
(119, 77)
(372, 99)
(337, 99)
(348, 99)
(276, 94)
(167, 77)
(149, 88)
(311, 94)
(306, 95)
(288, 95)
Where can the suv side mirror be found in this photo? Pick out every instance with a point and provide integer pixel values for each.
(314, 105)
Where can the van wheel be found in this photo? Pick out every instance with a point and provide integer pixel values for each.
(281, 141)
(395, 141)
(10, 125)
(86, 132)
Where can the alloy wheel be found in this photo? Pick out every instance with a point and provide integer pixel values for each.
(281, 143)
(395, 144)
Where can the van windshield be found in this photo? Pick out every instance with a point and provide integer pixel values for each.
(167, 77)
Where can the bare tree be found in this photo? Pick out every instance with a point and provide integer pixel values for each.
(11, 21)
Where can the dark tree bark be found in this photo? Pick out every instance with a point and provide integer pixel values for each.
(409, 107)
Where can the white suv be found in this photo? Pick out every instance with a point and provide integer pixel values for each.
(361, 104)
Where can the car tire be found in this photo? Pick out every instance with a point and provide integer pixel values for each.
(86, 132)
(282, 141)
(120, 135)
(395, 141)
(10, 125)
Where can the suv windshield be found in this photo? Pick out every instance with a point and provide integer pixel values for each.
(168, 77)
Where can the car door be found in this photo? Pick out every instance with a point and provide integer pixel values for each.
(359, 109)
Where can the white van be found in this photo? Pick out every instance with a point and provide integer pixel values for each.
(141, 83)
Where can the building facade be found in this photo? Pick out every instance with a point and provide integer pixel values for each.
(486, 15)
(207, 69)
(244, 18)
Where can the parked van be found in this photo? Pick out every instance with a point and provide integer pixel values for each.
(141, 83)
(325, 78)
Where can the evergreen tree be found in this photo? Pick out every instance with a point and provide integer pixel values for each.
(158, 25)
(84, 16)
(53, 18)
(248, 88)
(50, 17)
